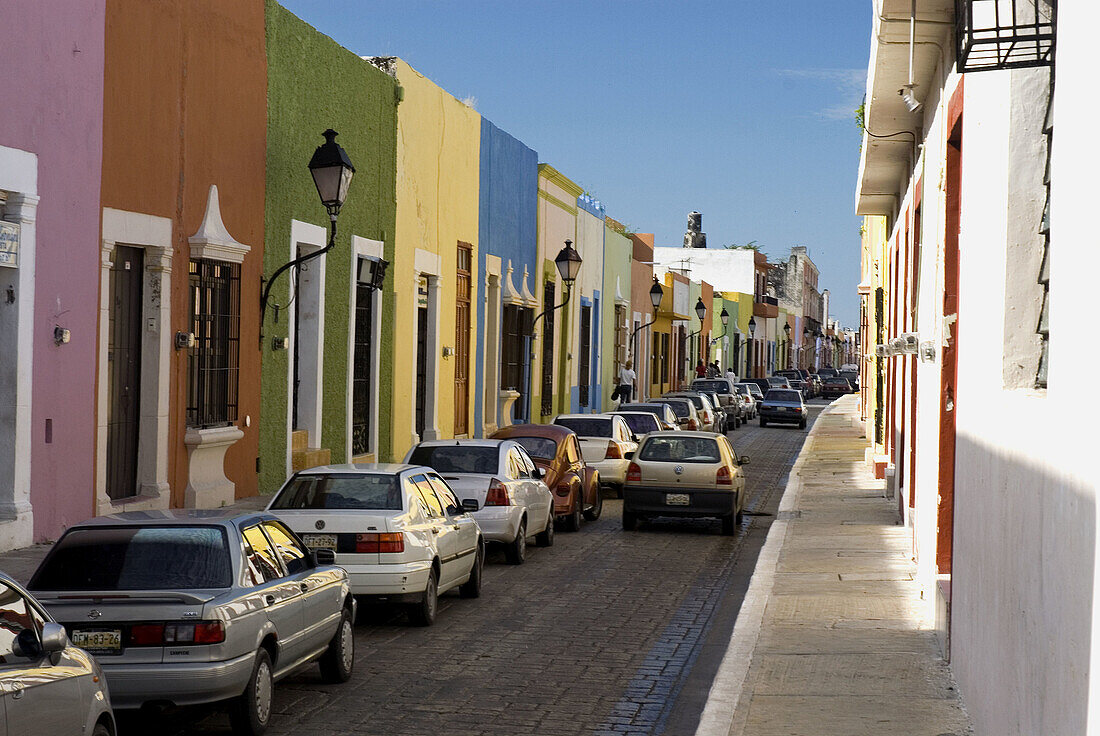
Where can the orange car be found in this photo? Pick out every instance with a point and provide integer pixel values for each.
(555, 449)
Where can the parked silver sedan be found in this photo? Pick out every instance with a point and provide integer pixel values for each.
(47, 685)
(190, 607)
(507, 485)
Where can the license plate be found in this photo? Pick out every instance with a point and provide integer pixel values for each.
(320, 541)
(677, 499)
(99, 641)
(784, 408)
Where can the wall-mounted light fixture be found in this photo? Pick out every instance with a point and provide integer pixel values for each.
(280, 343)
(372, 271)
(184, 340)
(61, 336)
(448, 351)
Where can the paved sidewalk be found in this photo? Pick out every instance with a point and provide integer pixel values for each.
(833, 638)
(21, 563)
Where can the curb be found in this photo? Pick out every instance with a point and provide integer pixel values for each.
(720, 714)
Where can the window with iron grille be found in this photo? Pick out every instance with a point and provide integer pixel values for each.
(213, 364)
(619, 356)
(584, 378)
(362, 369)
(548, 351)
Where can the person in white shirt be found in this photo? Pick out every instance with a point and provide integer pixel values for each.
(730, 374)
(627, 376)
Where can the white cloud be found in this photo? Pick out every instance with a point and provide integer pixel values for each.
(848, 85)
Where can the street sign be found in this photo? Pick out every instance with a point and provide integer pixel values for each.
(9, 244)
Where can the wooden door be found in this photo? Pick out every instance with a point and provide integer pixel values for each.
(124, 371)
(462, 339)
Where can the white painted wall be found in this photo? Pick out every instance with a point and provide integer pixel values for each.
(725, 270)
(1025, 543)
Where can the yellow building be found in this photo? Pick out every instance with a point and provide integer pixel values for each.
(435, 263)
(873, 307)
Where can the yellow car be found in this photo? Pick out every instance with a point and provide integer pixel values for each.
(685, 474)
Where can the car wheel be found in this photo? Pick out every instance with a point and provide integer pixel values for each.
(516, 552)
(729, 524)
(630, 521)
(802, 424)
(740, 516)
(337, 661)
(472, 587)
(763, 422)
(250, 711)
(573, 521)
(594, 513)
(619, 491)
(423, 613)
(545, 538)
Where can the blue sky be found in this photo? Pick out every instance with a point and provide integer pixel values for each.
(743, 111)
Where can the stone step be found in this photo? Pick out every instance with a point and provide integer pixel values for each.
(309, 457)
(299, 440)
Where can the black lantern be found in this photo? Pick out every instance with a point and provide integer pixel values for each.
(787, 331)
(568, 262)
(332, 171)
(725, 316)
(656, 294)
(752, 326)
(701, 309)
(372, 271)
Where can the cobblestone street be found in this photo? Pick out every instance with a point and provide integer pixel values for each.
(606, 632)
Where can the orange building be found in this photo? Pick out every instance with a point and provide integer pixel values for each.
(185, 95)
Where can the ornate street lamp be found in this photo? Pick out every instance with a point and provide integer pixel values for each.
(332, 172)
(568, 262)
(656, 294)
(752, 335)
(701, 310)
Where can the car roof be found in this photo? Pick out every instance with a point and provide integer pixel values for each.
(638, 412)
(681, 435)
(583, 416)
(549, 431)
(386, 468)
(175, 517)
(463, 442)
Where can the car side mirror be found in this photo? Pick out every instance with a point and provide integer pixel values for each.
(470, 505)
(323, 556)
(537, 474)
(744, 459)
(634, 438)
(54, 638)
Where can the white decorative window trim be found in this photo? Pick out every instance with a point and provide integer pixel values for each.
(152, 234)
(364, 248)
(213, 241)
(306, 237)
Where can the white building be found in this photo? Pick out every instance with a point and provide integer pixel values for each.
(727, 270)
(989, 432)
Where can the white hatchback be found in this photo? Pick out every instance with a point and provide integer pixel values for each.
(398, 530)
(506, 483)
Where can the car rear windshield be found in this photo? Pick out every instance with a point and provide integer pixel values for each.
(641, 423)
(774, 395)
(697, 400)
(543, 448)
(342, 491)
(680, 450)
(658, 409)
(457, 458)
(585, 426)
(681, 407)
(138, 558)
(718, 387)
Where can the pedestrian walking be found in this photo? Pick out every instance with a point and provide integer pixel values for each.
(731, 374)
(627, 376)
(701, 370)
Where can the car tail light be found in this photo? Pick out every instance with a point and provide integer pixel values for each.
(613, 452)
(798, 409)
(633, 473)
(692, 424)
(723, 477)
(160, 634)
(379, 542)
(497, 495)
(146, 635)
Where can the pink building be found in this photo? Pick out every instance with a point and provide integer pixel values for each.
(50, 162)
